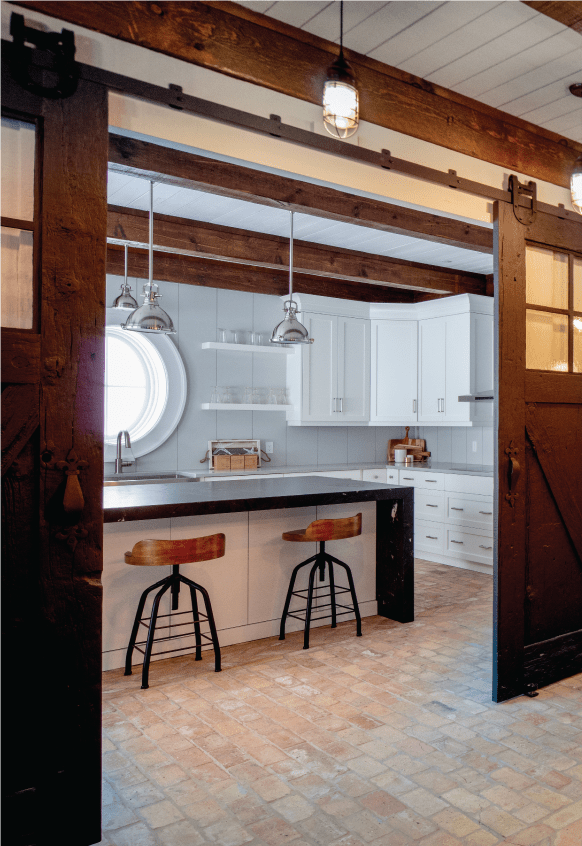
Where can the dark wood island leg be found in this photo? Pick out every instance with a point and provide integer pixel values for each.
(395, 557)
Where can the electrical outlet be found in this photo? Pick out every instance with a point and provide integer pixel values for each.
(269, 447)
(474, 446)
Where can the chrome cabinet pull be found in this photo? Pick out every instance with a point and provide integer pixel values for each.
(484, 547)
(407, 479)
(341, 399)
(414, 406)
(334, 405)
(431, 480)
(456, 509)
(486, 512)
(454, 541)
(431, 537)
(430, 505)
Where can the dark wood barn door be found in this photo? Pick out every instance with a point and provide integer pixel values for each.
(538, 585)
(52, 466)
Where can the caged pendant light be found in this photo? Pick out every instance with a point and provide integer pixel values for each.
(340, 96)
(125, 300)
(150, 317)
(290, 331)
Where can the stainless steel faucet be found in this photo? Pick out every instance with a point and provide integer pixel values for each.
(119, 464)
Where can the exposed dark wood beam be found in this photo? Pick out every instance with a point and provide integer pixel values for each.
(225, 242)
(153, 161)
(569, 13)
(256, 280)
(230, 39)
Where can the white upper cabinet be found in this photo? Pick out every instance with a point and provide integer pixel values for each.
(329, 380)
(392, 364)
(455, 353)
(394, 372)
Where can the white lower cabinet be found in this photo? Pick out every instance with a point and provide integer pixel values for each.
(380, 475)
(453, 517)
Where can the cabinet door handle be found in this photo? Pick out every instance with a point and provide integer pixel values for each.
(407, 479)
(341, 399)
(456, 509)
(414, 406)
(334, 405)
(486, 512)
(434, 481)
(459, 542)
(431, 537)
(484, 547)
(429, 505)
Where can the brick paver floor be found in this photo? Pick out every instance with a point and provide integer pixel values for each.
(390, 739)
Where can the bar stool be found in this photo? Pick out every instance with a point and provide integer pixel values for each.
(322, 531)
(155, 553)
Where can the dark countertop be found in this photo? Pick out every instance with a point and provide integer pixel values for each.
(147, 502)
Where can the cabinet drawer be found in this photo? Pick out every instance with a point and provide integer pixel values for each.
(422, 479)
(377, 476)
(481, 485)
(429, 505)
(428, 536)
(463, 543)
(472, 511)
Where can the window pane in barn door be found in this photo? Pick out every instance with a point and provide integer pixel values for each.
(546, 341)
(546, 278)
(577, 330)
(17, 288)
(17, 291)
(18, 142)
(577, 281)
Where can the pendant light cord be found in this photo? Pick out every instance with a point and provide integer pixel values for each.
(151, 240)
(291, 259)
(125, 248)
(342, 28)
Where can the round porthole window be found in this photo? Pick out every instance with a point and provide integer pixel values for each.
(145, 387)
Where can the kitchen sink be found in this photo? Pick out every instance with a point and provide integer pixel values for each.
(147, 478)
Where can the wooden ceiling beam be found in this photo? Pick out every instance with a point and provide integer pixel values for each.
(568, 13)
(165, 164)
(230, 39)
(224, 243)
(215, 274)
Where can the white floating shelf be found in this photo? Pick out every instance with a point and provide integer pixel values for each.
(243, 406)
(252, 348)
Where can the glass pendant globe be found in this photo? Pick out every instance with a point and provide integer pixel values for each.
(340, 108)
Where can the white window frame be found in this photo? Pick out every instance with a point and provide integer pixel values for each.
(177, 388)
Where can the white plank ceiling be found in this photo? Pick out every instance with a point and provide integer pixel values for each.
(503, 53)
(133, 192)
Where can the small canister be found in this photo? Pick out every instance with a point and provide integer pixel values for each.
(409, 460)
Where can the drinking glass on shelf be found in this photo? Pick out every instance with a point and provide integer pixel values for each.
(272, 397)
(282, 396)
(223, 336)
(225, 395)
(255, 338)
(235, 394)
(247, 395)
(215, 394)
(243, 336)
(257, 396)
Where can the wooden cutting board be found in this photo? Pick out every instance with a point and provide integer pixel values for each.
(406, 441)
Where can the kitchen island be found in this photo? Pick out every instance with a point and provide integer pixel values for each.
(248, 585)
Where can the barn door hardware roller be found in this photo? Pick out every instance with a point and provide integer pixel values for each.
(529, 192)
(50, 70)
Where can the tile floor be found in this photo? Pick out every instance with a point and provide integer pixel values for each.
(385, 740)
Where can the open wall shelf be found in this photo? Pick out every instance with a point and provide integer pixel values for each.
(249, 348)
(243, 406)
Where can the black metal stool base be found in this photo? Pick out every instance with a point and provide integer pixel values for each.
(171, 583)
(321, 559)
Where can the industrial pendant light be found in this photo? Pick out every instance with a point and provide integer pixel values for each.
(150, 317)
(340, 95)
(576, 176)
(125, 300)
(290, 331)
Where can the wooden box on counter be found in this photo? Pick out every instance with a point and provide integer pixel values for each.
(235, 462)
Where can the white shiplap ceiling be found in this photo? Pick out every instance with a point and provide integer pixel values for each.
(503, 53)
(133, 192)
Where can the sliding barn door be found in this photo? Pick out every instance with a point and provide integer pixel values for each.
(53, 281)
(538, 585)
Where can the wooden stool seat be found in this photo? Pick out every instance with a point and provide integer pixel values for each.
(158, 553)
(327, 530)
(321, 531)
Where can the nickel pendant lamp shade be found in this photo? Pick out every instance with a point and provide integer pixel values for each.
(125, 299)
(150, 317)
(290, 330)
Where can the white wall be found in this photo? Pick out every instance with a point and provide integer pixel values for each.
(197, 312)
